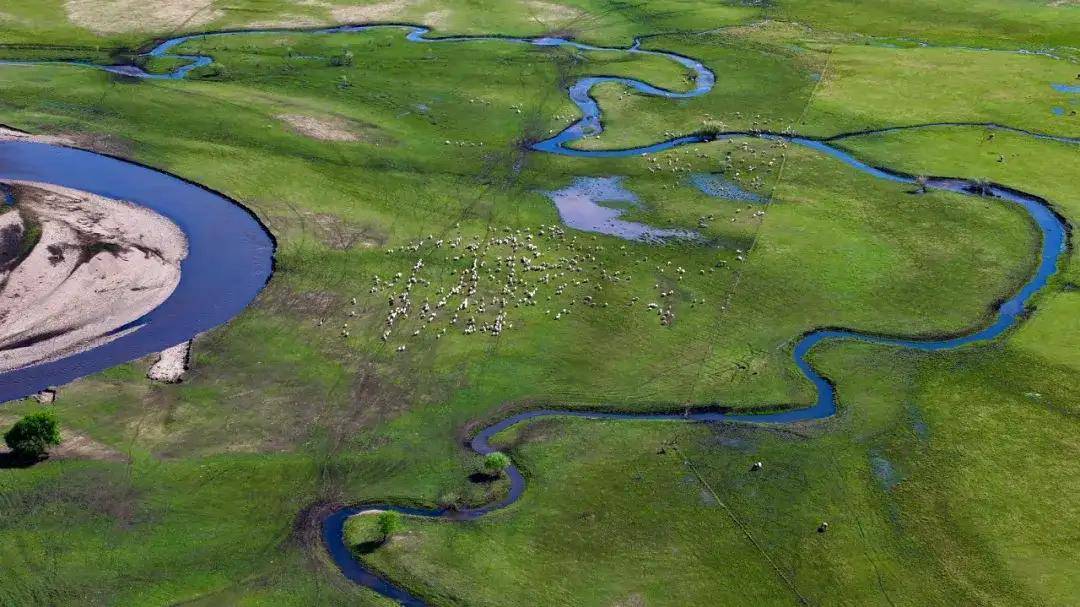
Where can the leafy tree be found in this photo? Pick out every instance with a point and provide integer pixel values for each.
(495, 463)
(32, 435)
(390, 522)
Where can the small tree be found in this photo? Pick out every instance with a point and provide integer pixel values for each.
(32, 435)
(495, 463)
(390, 522)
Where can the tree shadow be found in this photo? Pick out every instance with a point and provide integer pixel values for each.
(483, 478)
(9, 460)
(369, 546)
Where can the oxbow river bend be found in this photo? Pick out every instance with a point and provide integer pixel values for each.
(231, 257)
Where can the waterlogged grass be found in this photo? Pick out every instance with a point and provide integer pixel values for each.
(931, 477)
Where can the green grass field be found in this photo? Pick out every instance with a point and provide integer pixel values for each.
(946, 479)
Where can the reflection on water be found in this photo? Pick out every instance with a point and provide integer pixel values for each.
(580, 207)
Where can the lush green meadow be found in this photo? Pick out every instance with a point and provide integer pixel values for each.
(945, 478)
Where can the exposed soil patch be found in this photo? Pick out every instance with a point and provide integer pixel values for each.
(307, 526)
(373, 401)
(104, 143)
(379, 11)
(73, 445)
(307, 533)
(323, 128)
(9, 18)
(118, 16)
(436, 19)
(547, 12)
(313, 304)
(330, 230)
(98, 142)
(634, 600)
(79, 446)
(286, 20)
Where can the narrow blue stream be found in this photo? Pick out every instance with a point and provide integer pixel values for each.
(214, 271)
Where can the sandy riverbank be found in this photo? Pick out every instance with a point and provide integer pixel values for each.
(97, 265)
(171, 364)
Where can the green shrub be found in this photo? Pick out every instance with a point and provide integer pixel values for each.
(32, 435)
(495, 463)
(390, 522)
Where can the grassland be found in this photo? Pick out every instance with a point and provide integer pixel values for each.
(946, 479)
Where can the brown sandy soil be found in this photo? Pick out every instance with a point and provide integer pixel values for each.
(389, 10)
(9, 134)
(549, 11)
(287, 20)
(325, 128)
(9, 18)
(73, 445)
(330, 230)
(316, 13)
(99, 264)
(436, 19)
(118, 16)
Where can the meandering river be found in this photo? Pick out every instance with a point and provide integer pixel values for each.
(229, 261)
(231, 258)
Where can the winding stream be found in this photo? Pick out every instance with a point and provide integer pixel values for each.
(230, 259)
